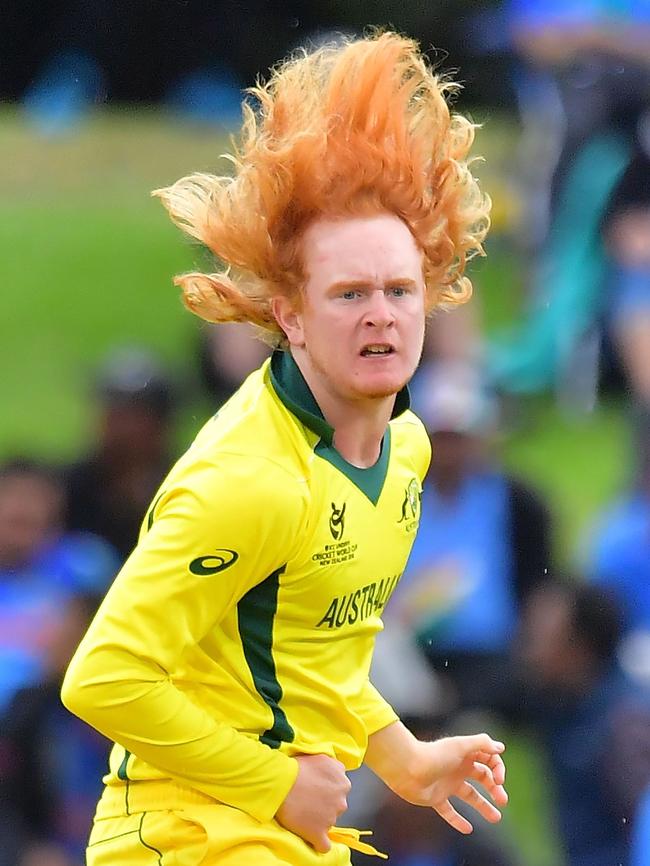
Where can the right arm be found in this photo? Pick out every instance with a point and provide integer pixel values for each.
(119, 680)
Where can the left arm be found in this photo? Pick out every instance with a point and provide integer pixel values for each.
(429, 773)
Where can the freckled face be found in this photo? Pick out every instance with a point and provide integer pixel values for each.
(361, 324)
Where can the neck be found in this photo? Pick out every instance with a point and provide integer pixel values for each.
(359, 424)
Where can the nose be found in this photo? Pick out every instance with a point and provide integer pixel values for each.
(379, 313)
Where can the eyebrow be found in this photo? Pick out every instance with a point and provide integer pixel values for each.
(343, 285)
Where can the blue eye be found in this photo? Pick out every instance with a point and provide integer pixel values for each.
(399, 291)
(350, 295)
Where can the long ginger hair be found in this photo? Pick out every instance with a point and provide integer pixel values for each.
(356, 128)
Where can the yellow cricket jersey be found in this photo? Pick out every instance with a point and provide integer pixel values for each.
(240, 630)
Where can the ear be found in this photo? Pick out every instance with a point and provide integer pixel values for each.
(289, 318)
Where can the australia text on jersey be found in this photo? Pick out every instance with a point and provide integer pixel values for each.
(360, 604)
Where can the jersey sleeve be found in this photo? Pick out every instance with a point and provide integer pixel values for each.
(212, 537)
(375, 712)
(422, 449)
(417, 442)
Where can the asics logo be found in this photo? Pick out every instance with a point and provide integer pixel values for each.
(213, 563)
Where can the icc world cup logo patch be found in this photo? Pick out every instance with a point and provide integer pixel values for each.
(338, 551)
(337, 522)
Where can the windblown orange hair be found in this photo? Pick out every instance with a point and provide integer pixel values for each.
(350, 129)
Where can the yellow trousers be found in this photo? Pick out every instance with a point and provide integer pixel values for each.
(180, 827)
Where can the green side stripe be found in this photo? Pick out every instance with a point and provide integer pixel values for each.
(256, 614)
(150, 847)
(150, 516)
(121, 773)
(124, 776)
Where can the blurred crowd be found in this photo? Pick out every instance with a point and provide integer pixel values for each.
(484, 620)
(191, 55)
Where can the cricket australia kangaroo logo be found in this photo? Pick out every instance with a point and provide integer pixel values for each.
(411, 506)
(337, 522)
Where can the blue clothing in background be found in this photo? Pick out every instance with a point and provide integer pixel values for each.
(546, 13)
(578, 735)
(51, 768)
(628, 292)
(641, 833)
(75, 758)
(457, 590)
(620, 559)
(33, 597)
(30, 609)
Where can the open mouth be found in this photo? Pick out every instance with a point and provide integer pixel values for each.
(377, 350)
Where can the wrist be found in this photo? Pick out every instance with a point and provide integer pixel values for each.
(394, 755)
(409, 773)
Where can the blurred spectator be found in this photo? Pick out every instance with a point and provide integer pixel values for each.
(618, 559)
(557, 345)
(51, 763)
(621, 556)
(110, 490)
(629, 238)
(626, 230)
(482, 545)
(40, 568)
(595, 56)
(194, 55)
(454, 335)
(592, 720)
(585, 77)
(145, 50)
(227, 355)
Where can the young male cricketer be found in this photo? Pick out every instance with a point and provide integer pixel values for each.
(229, 661)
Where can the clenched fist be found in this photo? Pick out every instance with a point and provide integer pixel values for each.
(317, 798)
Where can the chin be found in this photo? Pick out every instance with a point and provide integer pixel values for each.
(381, 395)
(381, 389)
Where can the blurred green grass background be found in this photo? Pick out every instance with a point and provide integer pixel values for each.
(87, 263)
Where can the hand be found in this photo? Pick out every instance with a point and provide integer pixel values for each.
(316, 800)
(441, 770)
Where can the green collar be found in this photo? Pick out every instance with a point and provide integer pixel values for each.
(291, 388)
